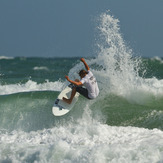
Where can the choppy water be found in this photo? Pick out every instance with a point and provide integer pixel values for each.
(124, 124)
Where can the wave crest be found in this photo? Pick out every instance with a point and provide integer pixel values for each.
(31, 86)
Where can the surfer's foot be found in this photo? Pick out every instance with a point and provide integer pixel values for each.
(66, 100)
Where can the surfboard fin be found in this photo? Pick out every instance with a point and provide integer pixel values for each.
(57, 101)
(60, 108)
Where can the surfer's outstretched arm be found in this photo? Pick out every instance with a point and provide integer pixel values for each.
(85, 64)
(76, 82)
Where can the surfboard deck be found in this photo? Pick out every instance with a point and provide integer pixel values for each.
(60, 107)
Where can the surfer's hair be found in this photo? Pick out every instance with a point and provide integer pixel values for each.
(82, 72)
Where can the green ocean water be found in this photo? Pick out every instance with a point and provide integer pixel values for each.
(21, 69)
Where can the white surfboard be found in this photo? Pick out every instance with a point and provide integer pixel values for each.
(60, 107)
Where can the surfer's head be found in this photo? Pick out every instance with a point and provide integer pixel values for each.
(83, 73)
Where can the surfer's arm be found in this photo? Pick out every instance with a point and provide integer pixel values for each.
(78, 83)
(85, 64)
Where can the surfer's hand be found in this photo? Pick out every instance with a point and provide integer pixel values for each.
(82, 59)
(67, 78)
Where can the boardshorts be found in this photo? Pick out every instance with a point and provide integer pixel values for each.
(82, 91)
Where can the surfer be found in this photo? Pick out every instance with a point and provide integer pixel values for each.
(88, 80)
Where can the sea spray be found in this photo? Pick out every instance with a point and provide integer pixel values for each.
(114, 65)
(116, 57)
(120, 68)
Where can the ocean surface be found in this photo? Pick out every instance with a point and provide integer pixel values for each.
(124, 124)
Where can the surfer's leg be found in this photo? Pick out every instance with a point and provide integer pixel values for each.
(72, 96)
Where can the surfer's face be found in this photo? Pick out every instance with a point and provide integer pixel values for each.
(82, 75)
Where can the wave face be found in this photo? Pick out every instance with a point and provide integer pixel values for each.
(124, 124)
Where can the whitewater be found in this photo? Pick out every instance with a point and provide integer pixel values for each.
(124, 124)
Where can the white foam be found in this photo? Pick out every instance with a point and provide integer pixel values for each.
(41, 68)
(5, 57)
(86, 140)
(31, 86)
(158, 59)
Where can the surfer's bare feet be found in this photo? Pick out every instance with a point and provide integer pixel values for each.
(66, 100)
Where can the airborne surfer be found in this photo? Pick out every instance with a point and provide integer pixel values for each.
(88, 80)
